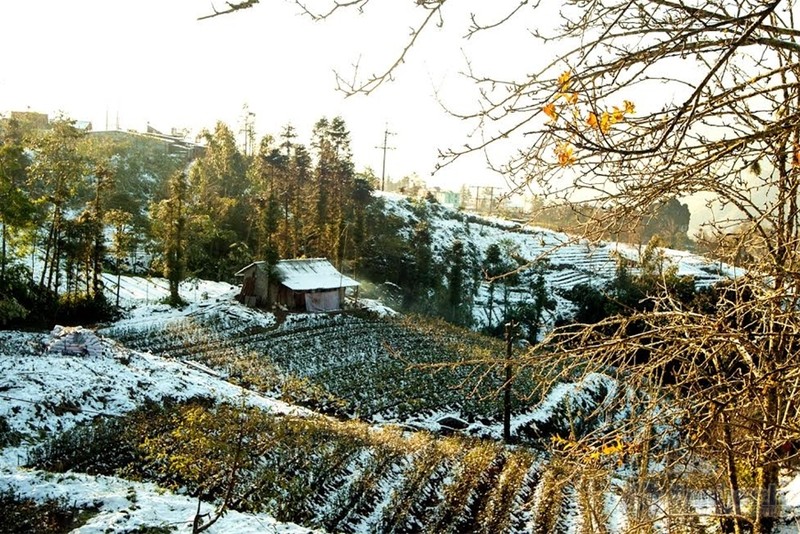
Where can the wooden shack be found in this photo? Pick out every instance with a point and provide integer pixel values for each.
(312, 285)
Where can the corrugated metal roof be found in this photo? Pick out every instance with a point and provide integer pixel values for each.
(311, 274)
(244, 270)
(307, 274)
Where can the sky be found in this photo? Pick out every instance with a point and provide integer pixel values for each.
(130, 63)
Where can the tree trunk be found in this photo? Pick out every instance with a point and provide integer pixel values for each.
(97, 268)
(507, 384)
(3, 259)
(733, 478)
(119, 275)
(767, 471)
(46, 259)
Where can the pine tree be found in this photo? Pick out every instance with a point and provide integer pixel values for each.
(334, 179)
(122, 238)
(171, 227)
(103, 182)
(264, 208)
(302, 230)
(458, 302)
(420, 278)
(16, 208)
(218, 183)
(57, 169)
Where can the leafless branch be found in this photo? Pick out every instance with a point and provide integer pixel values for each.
(232, 6)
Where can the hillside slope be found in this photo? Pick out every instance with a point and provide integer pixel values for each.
(378, 479)
(352, 365)
(564, 260)
(417, 481)
(52, 382)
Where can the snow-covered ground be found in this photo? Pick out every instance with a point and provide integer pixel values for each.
(50, 382)
(45, 390)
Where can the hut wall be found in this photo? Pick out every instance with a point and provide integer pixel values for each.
(262, 288)
(322, 301)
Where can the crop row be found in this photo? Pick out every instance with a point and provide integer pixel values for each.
(321, 473)
(379, 368)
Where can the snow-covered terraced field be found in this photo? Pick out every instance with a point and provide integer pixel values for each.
(367, 480)
(569, 260)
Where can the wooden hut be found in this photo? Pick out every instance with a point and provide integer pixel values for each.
(312, 285)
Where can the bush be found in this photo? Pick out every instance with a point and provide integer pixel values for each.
(17, 295)
(19, 514)
(97, 448)
(75, 310)
(7, 435)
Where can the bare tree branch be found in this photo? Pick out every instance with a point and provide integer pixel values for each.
(232, 6)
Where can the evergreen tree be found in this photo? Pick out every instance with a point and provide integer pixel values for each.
(669, 221)
(122, 239)
(218, 183)
(171, 225)
(264, 210)
(95, 214)
(298, 201)
(458, 301)
(420, 278)
(334, 179)
(530, 313)
(494, 267)
(16, 207)
(361, 197)
(387, 254)
(57, 170)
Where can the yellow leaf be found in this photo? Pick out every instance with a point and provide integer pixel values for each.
(572, 98)
(565, 154)
(550, 111)
(605, 122)
(591, 120)
(563, 81)
(629, 107)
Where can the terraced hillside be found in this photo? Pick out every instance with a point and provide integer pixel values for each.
(96, 416)
(357, 365)
(379, 369)
(565, 260)
(342, 476)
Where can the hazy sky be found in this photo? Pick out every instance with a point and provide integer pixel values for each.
(152, 61)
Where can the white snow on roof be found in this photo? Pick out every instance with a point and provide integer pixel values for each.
(311, 274)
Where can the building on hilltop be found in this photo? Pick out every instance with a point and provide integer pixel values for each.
(173, 144)
(312, 285)
(41, 121)
(33, 119)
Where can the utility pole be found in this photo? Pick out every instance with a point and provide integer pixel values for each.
(248, 129)
(385, 147)
(510, 326)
